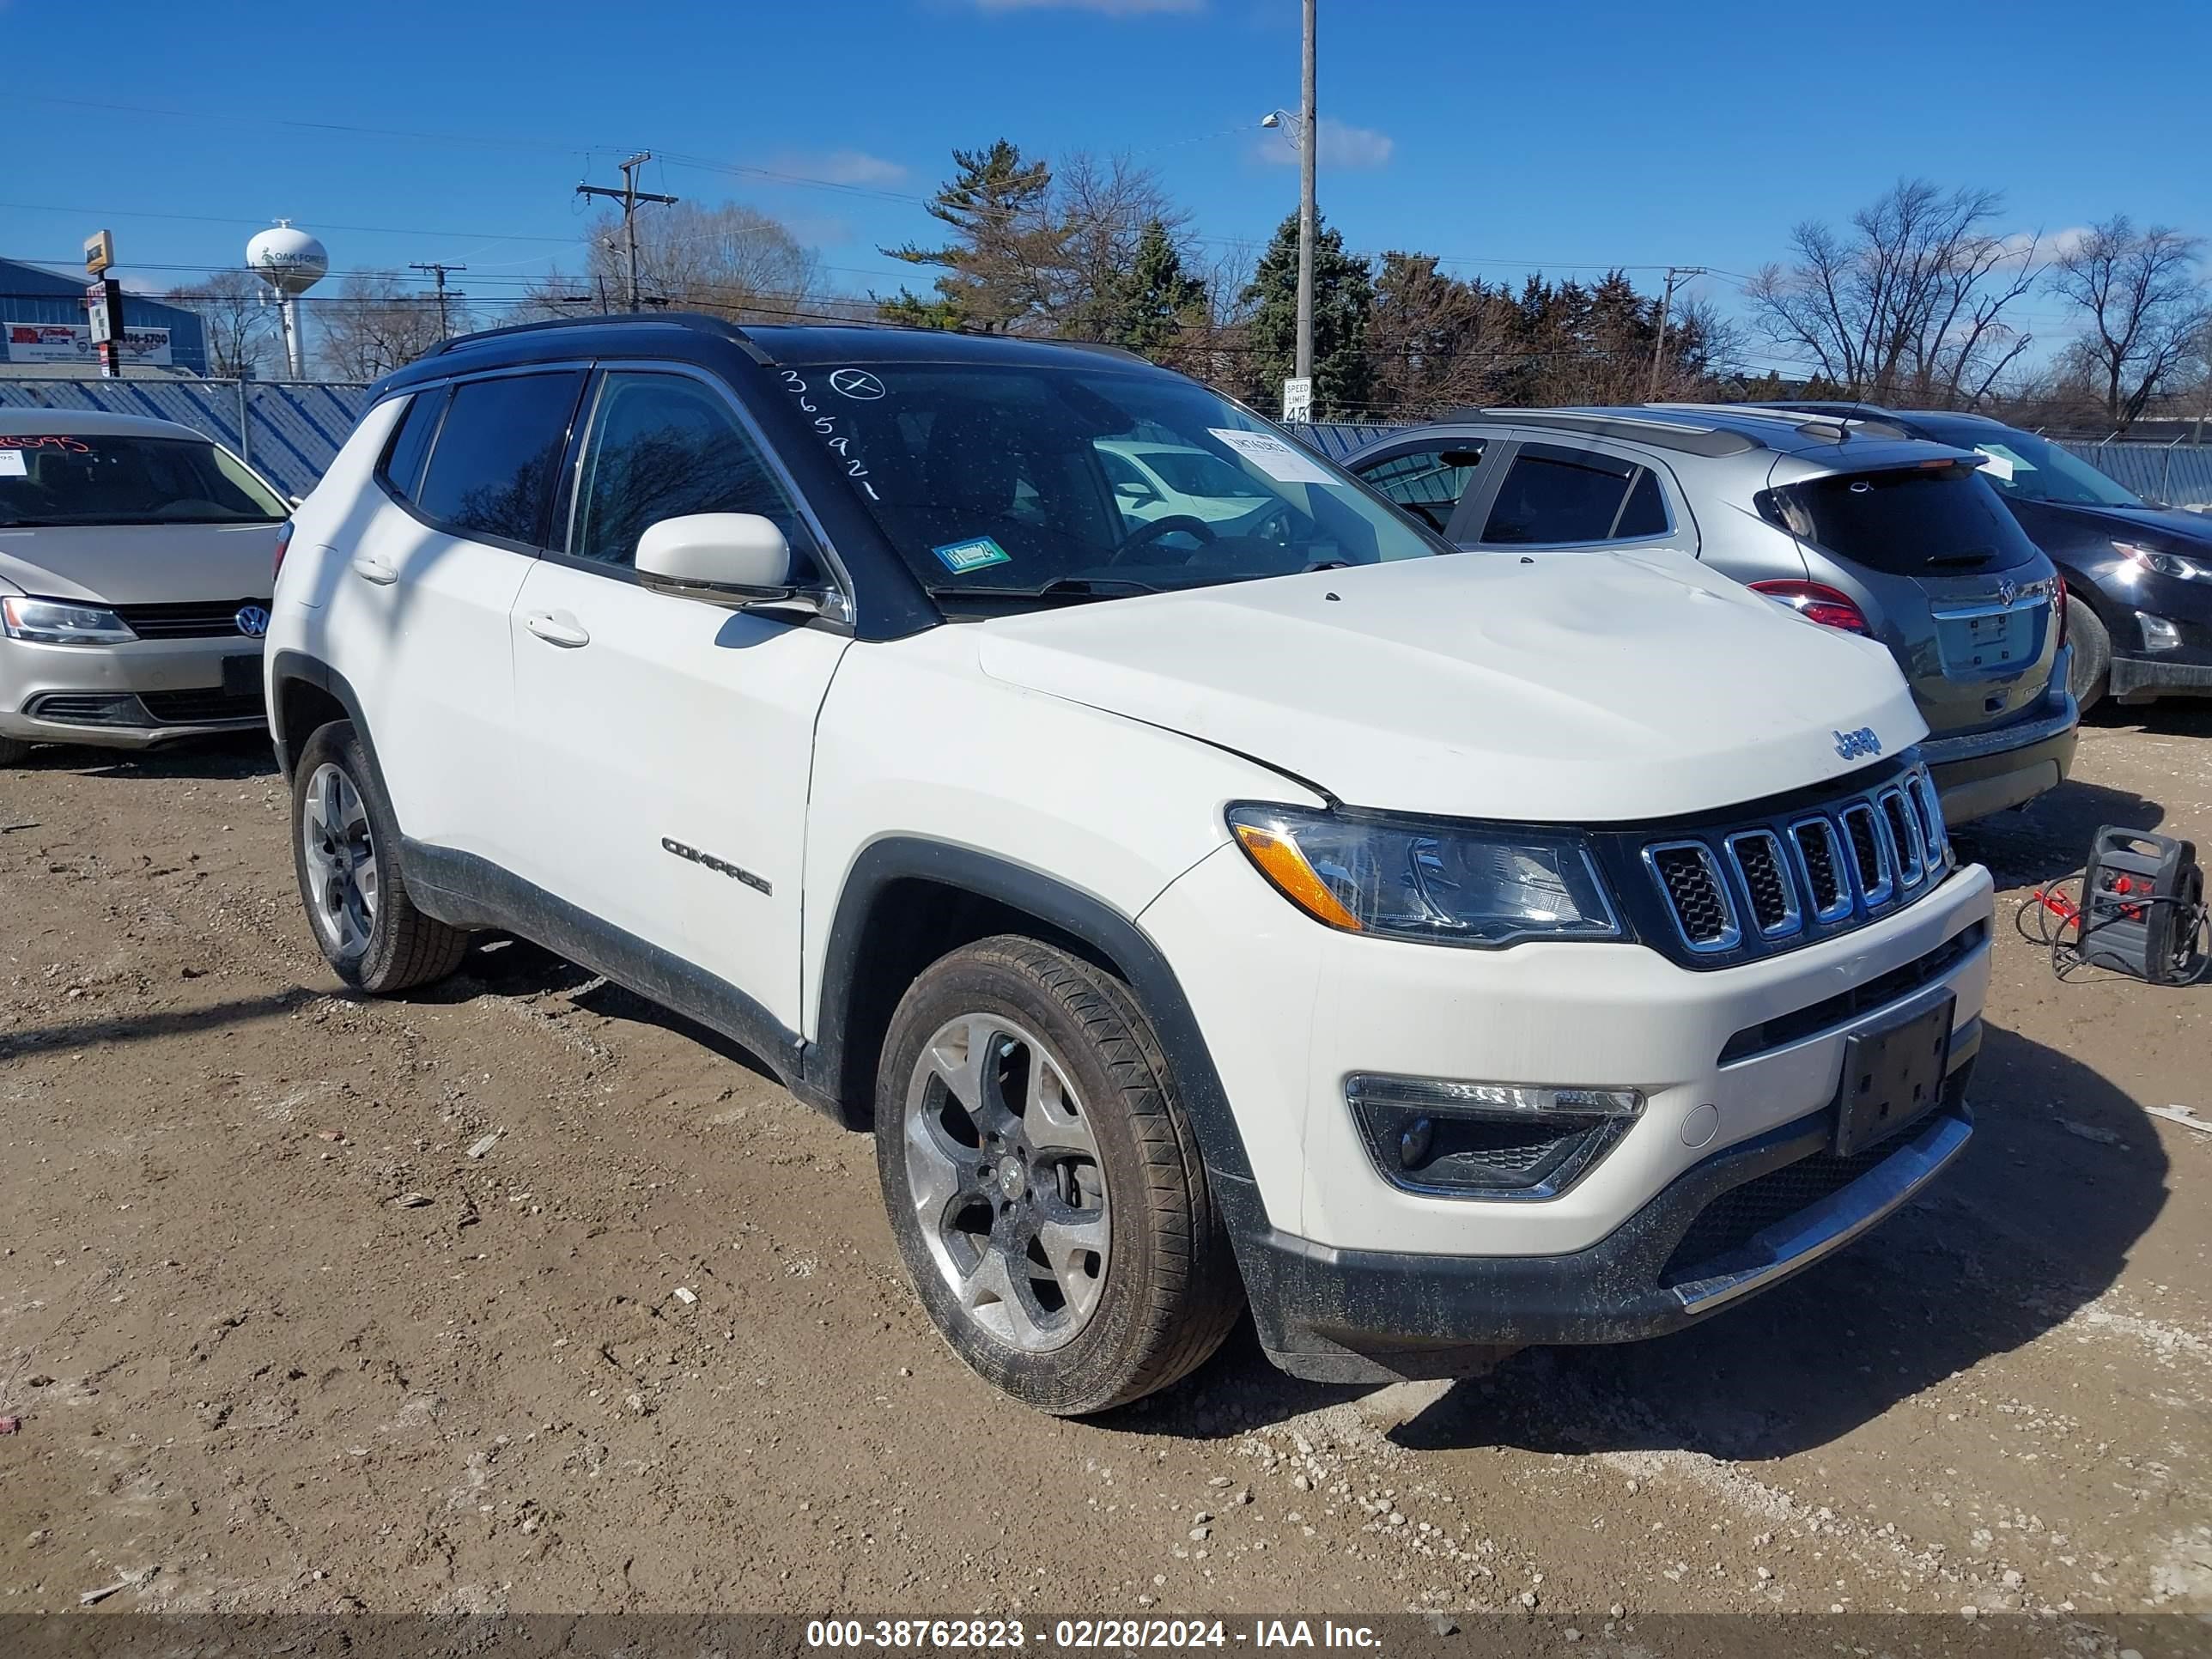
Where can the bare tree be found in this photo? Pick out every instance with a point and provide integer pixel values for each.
(375, 324)
(729, 261)
(1101, 209)
(237, 320)
(1908, 304)
(2143, 305)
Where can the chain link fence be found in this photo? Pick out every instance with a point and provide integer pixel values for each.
(290, 429)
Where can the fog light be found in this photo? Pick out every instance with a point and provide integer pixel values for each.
(2158, 634)
(1519, 1140)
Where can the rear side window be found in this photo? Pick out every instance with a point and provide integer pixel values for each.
(1903, 521)
(1429, 482)
(491, 471)
(410, 442)
(1554, 494)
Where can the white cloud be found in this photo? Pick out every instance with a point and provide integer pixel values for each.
(840, 166)
(1342, 145)
(1105, 8)
(2043, 247)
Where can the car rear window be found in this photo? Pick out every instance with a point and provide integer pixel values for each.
(1903, 521)
(114, 478)
(492, 468)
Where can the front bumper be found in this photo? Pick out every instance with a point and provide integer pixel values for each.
(132, 695)
(1979, 773)
(1739, 1068)
(2182, 668)
(1371, 1316)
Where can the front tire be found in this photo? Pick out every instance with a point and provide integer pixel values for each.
(1044, 1183)
(12, 751)
(345, 851)
(2090, 674)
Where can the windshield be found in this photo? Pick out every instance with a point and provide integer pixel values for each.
(1005, 480)
(103, 478)
(2027, 468)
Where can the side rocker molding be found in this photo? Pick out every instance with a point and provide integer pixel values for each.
(1076, 914)
(463, 890)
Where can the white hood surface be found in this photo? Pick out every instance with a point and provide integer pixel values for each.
(140, 563)
(1567, 688)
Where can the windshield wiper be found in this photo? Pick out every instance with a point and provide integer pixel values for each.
(1061, 587)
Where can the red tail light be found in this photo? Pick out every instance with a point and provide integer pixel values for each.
(283, 546)
(1817, 602)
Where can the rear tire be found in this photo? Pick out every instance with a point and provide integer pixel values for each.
(1044, 1183)
(2091, 674)
(345, 851)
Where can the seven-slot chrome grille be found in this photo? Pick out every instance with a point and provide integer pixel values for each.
(1785, 881)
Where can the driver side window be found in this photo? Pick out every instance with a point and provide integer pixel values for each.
(663, 447)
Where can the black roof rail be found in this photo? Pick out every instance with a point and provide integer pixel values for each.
(693, 320)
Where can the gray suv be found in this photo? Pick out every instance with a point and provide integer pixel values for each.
(1849, 523)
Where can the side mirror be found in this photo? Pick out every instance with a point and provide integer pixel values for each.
(740, 560)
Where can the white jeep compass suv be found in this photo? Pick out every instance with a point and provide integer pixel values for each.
(1437, 954)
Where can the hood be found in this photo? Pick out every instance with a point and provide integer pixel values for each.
(1592, 688)
(2191, 532)
(140, 564)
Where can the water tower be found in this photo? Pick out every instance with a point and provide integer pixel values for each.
(291, 261)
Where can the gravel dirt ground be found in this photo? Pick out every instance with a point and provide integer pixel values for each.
(519, 1295)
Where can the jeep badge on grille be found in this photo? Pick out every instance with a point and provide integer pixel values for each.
(1852, 745)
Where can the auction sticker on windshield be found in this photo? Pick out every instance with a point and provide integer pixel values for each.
(974, 554)
(11, 465)
(1280, 461)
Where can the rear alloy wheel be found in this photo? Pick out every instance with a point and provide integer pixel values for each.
(1044, 1183)
(345, 851)
(2090, 674)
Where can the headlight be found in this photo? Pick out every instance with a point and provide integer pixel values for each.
(1436, 883)
(49, 622)
(2166, 564)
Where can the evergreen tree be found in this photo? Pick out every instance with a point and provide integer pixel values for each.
(1158, 298)
(1004, 244)
(1344, 295)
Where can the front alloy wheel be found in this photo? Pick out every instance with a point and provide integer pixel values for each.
(1044, 1183)
(1002, 1170)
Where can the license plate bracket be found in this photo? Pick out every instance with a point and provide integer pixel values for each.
(1987, 642)
(1892, 1075)
(242, 676)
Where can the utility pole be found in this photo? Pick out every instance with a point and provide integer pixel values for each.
(1674, 274)
(438, 272)
(1309, 145)
(629, 196)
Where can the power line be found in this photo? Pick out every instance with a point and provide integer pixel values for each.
(445, 331)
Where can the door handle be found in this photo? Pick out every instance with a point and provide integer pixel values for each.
(370, 569)
(557, 628)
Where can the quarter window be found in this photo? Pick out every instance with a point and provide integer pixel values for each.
(1429, 481)
(1553, 493)
(664, 447)
(411, 443)
(492, 468)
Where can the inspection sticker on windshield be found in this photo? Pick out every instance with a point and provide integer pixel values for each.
(11, 465)
(974, 554)
(1283, 463)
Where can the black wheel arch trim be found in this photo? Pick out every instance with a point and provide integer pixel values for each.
(288, 665)
(1070, 910)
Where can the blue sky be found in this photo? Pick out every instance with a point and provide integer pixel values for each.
(1508, 138)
